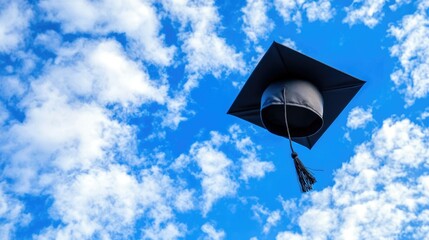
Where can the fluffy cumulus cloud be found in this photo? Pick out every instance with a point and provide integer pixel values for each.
(368, 12)
(382, 193)
(88, 93)
(66, 119)
(359, 117)
(217, 172)
(72, 143)
(106, 203)
(292, 11)
(48, 145)
(411, 49)
(256, 23)
(15, 19)
(102, 70)
(141, 24)
(138, 20)
(78, 205)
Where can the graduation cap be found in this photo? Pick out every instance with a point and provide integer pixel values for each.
(294, 96)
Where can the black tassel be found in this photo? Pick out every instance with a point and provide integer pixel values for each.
(306, 179)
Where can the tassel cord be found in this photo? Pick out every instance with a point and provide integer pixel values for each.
(287, 125)
(305, 178)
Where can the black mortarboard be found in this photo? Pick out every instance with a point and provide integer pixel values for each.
(294, 96)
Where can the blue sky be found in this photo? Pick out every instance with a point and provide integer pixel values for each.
(114, 126)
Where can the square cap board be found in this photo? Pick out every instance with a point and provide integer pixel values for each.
(279, 63)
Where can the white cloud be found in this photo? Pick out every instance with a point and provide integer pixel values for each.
(12, 214)
(382, 193)
(11, 86)
(180, 162)
(66, 126)
(205, 51)
(50, 40)
(69, 145)
(185, 200)
(4, 114)
(170, 232)
(398, 3)
(217, 58)
(290, 43)
(176, 110)
(292, 10)
(22, 63)
(289, 10)
(424, 114)
(160, 196)
(256, 23)
(217, 168)
(368, 12)
(212, 233)
(137, 19)
(98, 203)
(216, 179)
(320, 10)
(359, 118)
(107, 202)
(57, 136)
(271, 217)
(102, 70)
(253, 168)
(251, 165)
(288, 235)
(411, 78)
(15, 18)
